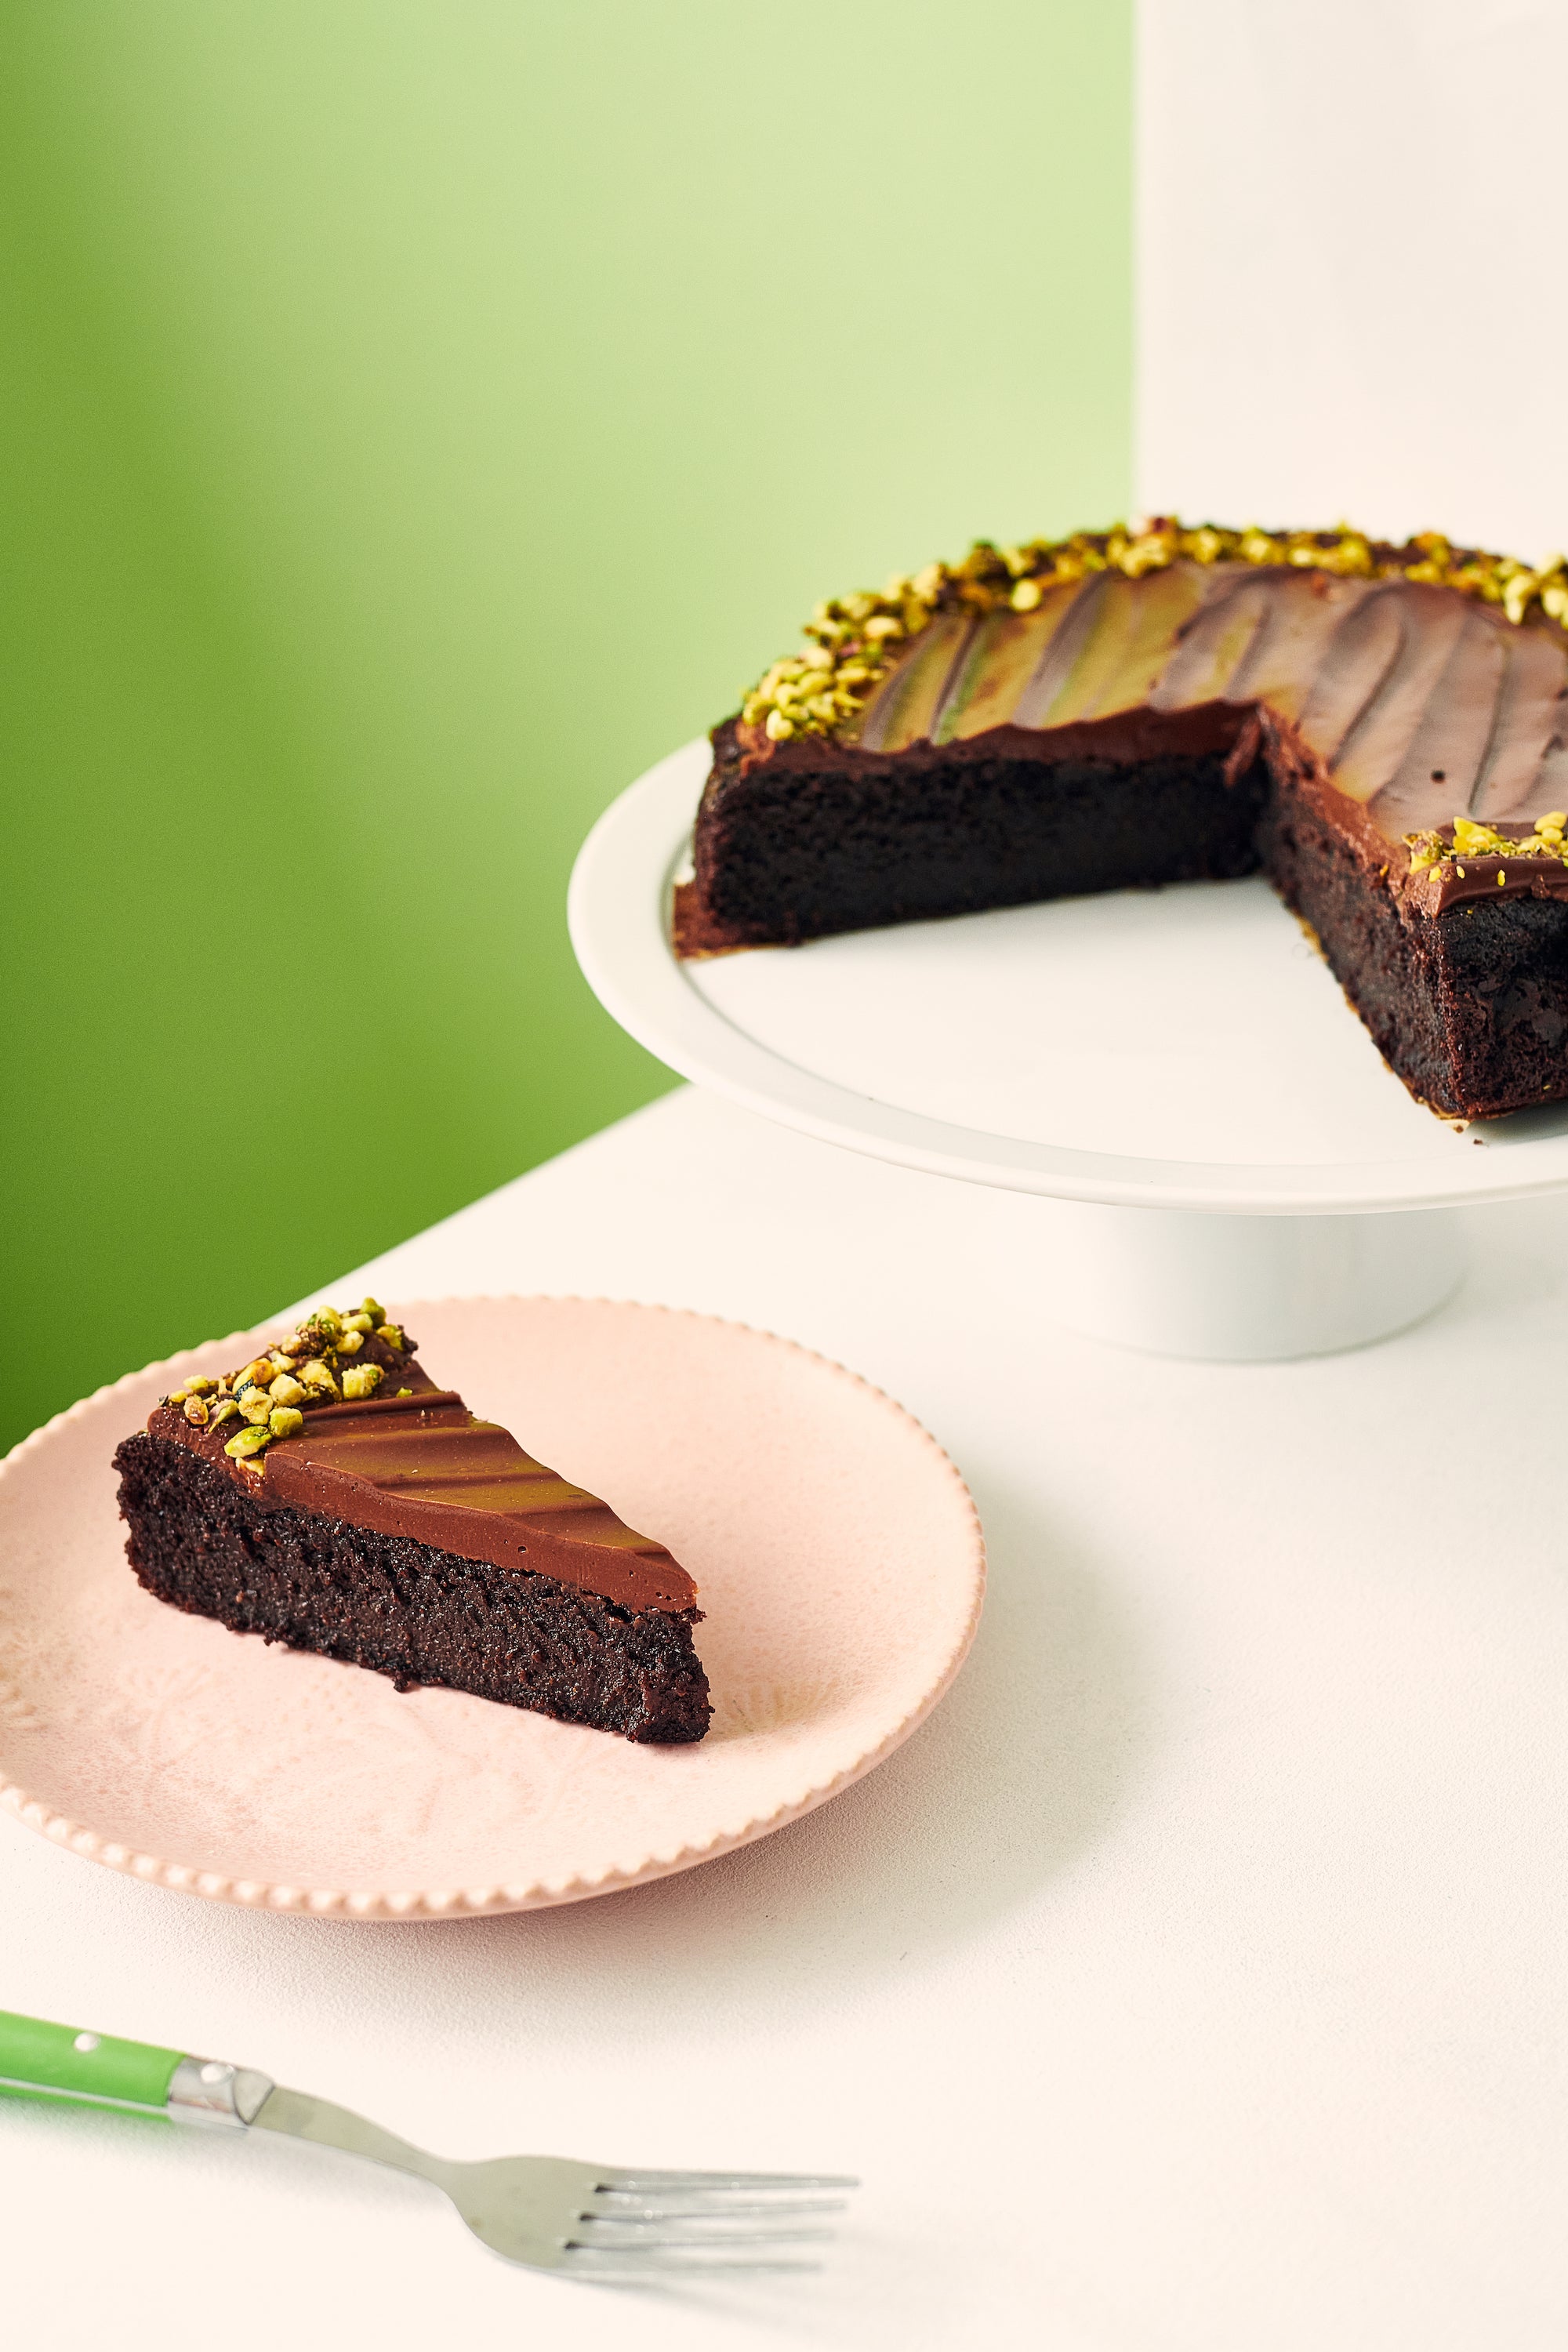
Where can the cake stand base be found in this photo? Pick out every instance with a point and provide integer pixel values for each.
(1247, 1289)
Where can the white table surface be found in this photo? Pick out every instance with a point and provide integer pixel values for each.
(1193, 1980)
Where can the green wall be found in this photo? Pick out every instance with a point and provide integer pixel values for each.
(417, 419)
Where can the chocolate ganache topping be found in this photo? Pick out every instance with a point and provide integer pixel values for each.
(854, 642)
(1426, 687)
(398, 1455)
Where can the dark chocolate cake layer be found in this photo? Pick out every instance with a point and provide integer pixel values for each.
(327, 1496)
(1382, 730)
(799, 849)
(405, 1608)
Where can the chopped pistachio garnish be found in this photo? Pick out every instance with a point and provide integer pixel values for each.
(854, 641)
(272, 1394)
(1471, 839)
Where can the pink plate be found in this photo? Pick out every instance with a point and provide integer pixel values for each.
(836, 1553)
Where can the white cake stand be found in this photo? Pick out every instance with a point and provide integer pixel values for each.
(1229, 1168)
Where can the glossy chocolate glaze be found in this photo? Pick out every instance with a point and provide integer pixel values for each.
(1413, 703)
(423, 1465)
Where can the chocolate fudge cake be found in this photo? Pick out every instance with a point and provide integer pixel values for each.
(327, 1495)
(1382, 728)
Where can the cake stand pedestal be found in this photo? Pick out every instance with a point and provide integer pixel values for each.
(1247, 1289)
(1225, 1166)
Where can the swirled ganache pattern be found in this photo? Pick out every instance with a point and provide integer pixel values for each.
(1383, 729)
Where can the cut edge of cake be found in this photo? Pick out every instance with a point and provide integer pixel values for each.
(1380, 726)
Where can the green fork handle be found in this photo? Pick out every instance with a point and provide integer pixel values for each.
(65, 2061)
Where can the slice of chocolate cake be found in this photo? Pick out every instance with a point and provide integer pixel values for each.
(1383, 729)
(327, 1495)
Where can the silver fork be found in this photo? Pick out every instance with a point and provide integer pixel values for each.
(595, 2221)
(589, 2220)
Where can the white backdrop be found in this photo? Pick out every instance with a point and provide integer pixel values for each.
(1354, 265)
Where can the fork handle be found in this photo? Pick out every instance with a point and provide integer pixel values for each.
(65, 2061)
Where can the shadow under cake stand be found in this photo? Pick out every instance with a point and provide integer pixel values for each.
(1227, 1168)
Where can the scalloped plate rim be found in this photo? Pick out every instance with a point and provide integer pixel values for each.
(34, 1813)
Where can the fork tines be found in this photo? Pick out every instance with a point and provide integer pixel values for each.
(673, 2222)
(728, 2180)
